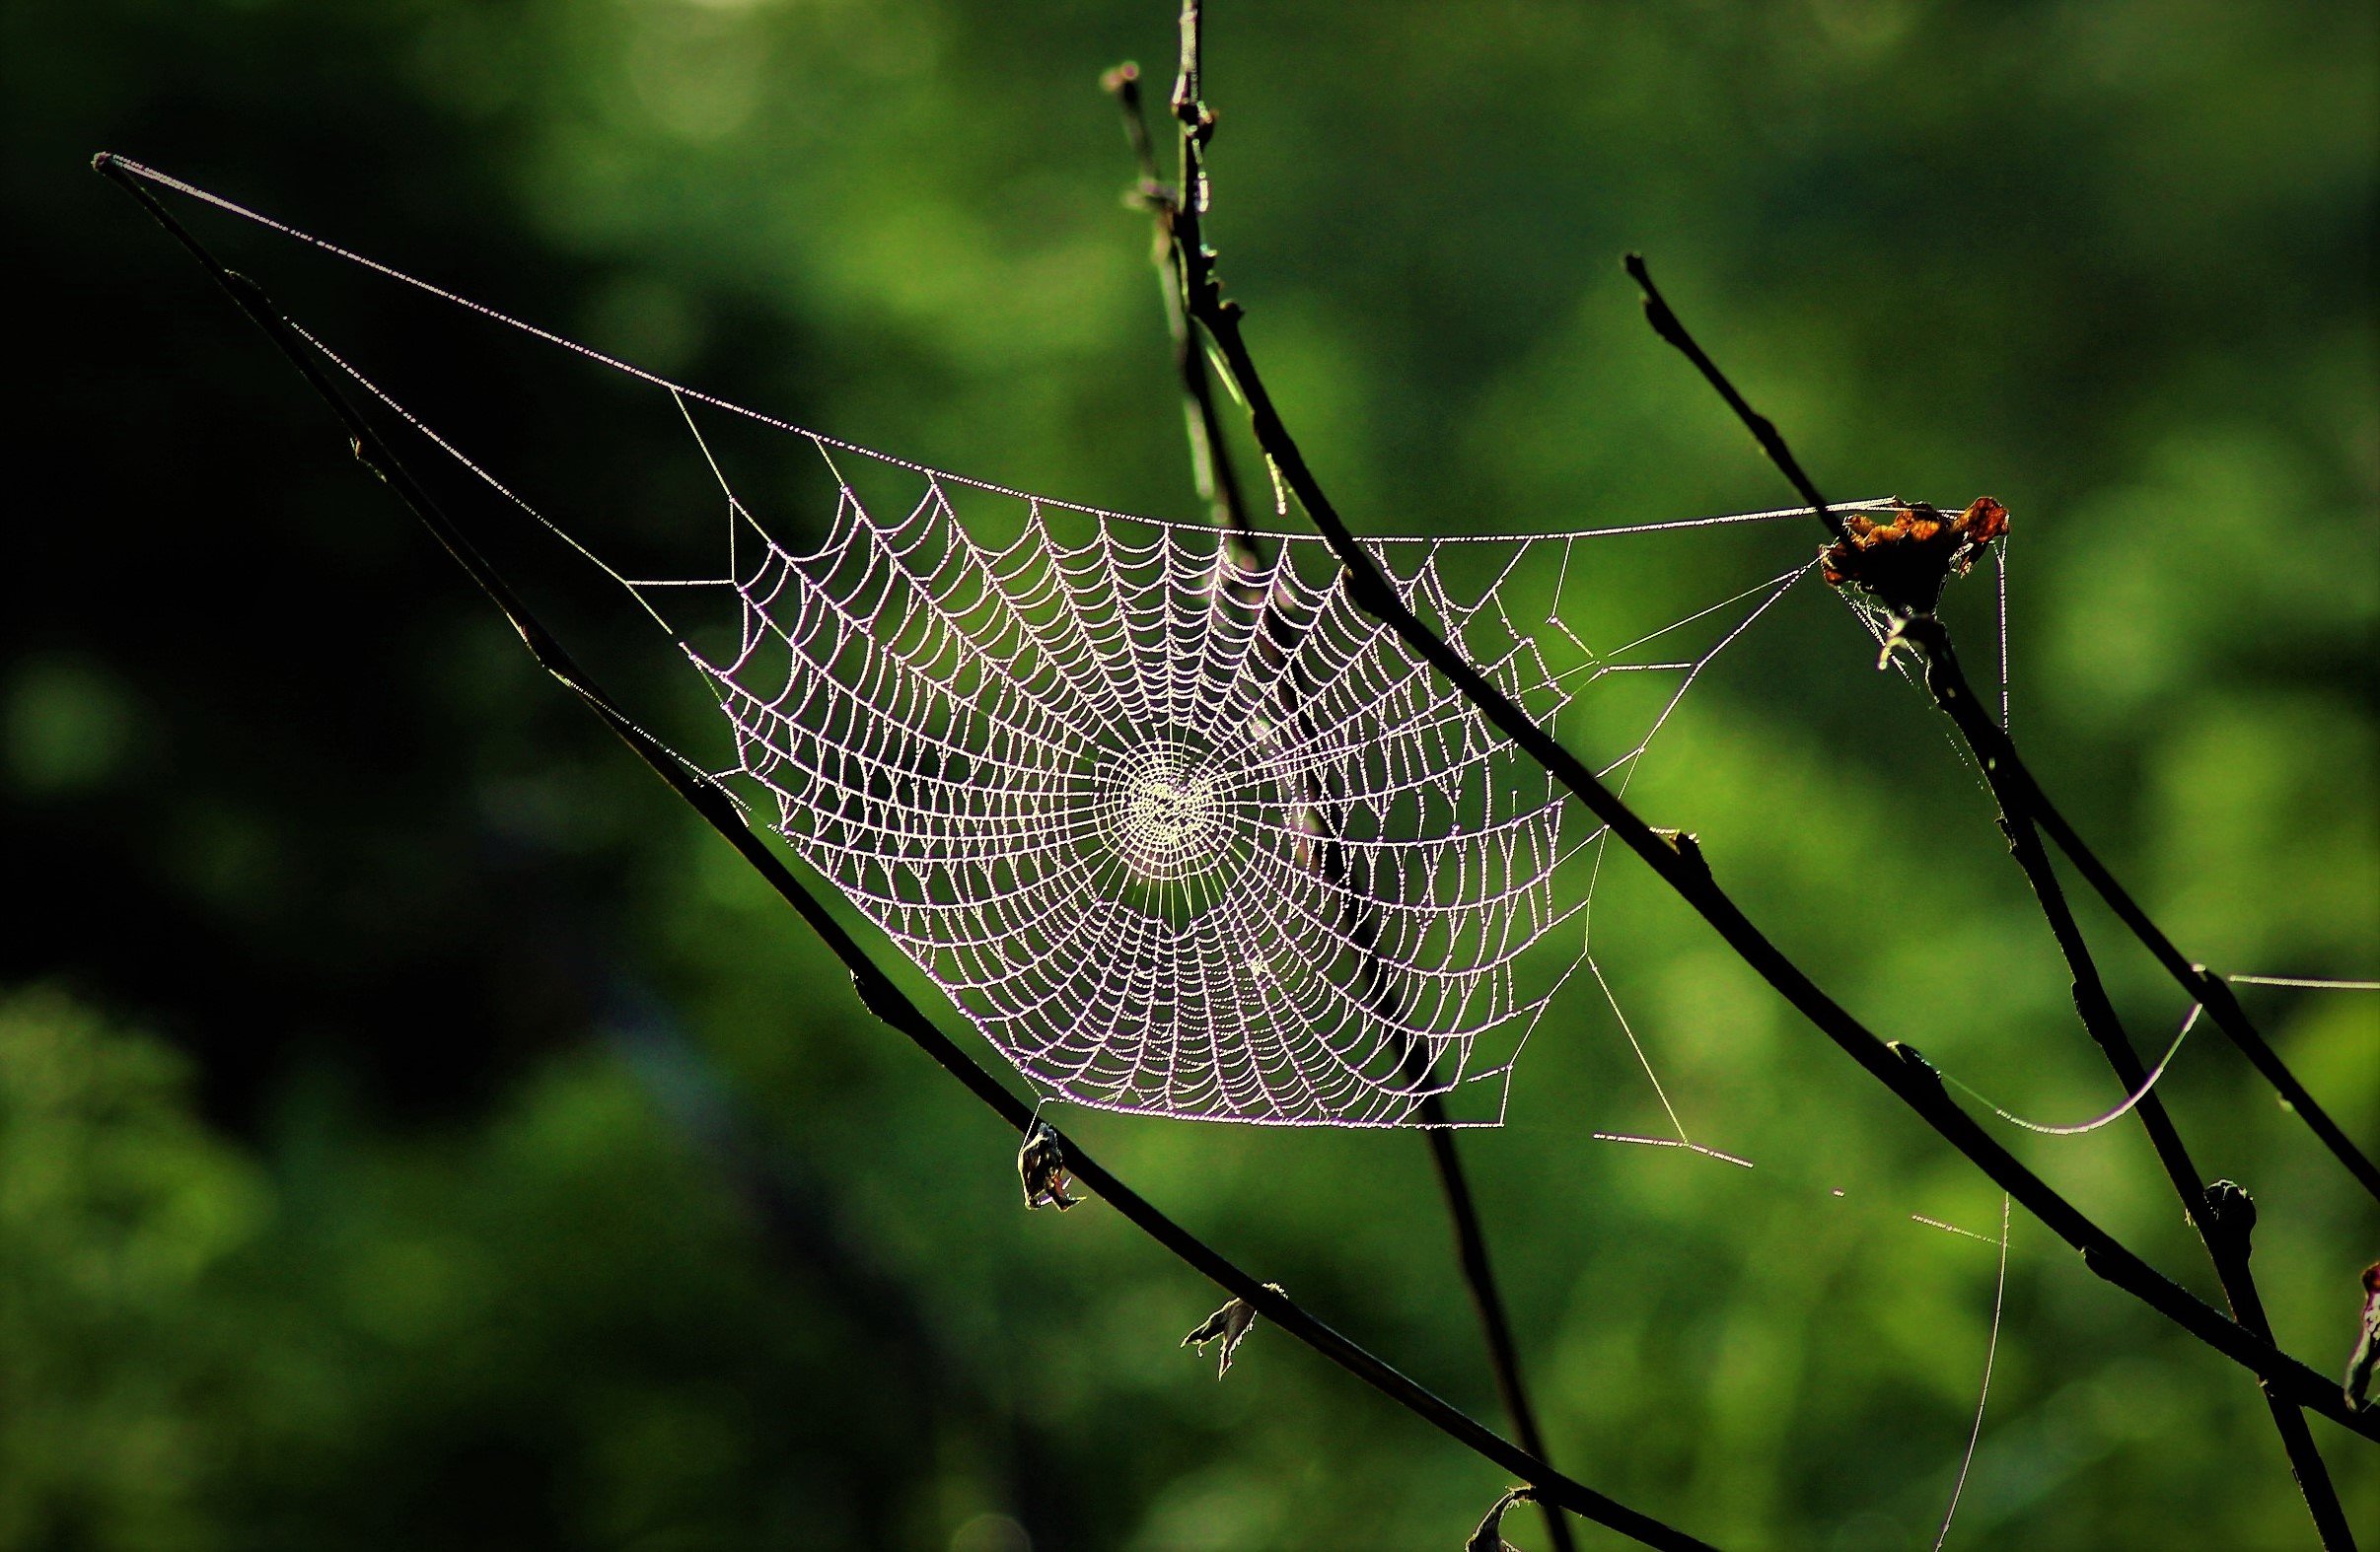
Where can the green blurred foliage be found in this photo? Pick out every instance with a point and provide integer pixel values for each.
(428, 1137)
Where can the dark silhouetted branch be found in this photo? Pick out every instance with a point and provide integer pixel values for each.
(1666, 325)
(1210, 456)
(877, 992)
(1897, 1066)
(2222, 1229)
(2224, 1237)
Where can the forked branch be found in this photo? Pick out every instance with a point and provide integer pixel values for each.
(2013, 780)
(1897, 1066)
(2221, 1215)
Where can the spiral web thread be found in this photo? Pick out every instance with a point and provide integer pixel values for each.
(1180, 836)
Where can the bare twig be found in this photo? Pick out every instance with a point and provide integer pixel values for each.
(2225, 1234)
(1212, 473)
(1210, 456)
(877, 992)
(1898, 1067)
(1664, 323)
(2220, 1214)
(1996, 752)
(1503, 1355)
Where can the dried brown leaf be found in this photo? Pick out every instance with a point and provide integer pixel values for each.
(1489, 1538)
(1228, 1325)
(1042, 1169)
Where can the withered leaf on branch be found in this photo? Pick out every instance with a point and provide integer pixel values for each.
(1041, 1168)
(1228, 1325)
(2367, 1342)
(1489, 1538)
(1904, 561)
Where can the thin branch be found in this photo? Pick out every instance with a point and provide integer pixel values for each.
(1471, 1251)
(2223, 1232)
(2224, 1235)
(1898, 1067)
(1210, 456)
(1997, 753)
(1211, 470)
(1664, 323)
(877, 992)
(2205, 986)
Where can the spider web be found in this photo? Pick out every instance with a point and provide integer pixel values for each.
(1180, 831)
(1180, 834)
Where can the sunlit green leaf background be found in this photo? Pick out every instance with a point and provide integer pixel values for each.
(416, 1132)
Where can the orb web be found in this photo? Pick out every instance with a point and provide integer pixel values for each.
(1178, 834)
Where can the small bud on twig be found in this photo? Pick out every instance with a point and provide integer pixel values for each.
(1688, 846)
(2232, 1210)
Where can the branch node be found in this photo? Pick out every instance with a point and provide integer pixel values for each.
(1657, 313)
(877, 995)
(1936, 1097)
(2230, 1216)
(1689, 848)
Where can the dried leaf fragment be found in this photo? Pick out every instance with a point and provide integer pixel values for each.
(1230, 1326)
(2367, 1344)
(1904, 560)
(1489, 1538)
(1042, 1169)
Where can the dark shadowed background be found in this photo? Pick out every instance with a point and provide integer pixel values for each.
(416, 1131)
